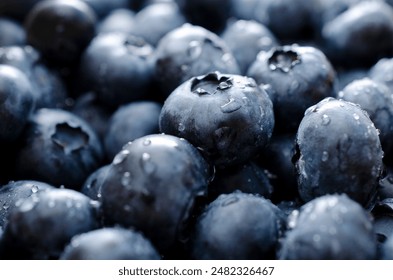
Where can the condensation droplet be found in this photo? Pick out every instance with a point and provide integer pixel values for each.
(181, 127)
(231, 106)
(146, 142)
(34, 189)
(120, 157)
(325, 156)
(147, 164)
(325, 119)
(126, 179)
(194, 49)
(229, 201)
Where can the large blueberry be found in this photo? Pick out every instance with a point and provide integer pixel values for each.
(110, 244)
(60, 29)
(151, 185)
(338, 151)
(14, 193)
(228, 117)
(376, 99)
(238, 226)
(330, 227)
(118, 67)
(58, 148)
(45, 222)
(297, 77)
(350, 37)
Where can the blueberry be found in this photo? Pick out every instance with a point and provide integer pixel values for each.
(330, 227)
(381, 72)
(129, 122)
(376, 99)
(11, 32)
(110, 244)
(151, 186)
(338, 151)
(349, 38)
(298, 77)
(14, 193)
(60, 29)
(45, 222)
(189, 51)
(92, 185)
(248, 178)
(167, 17)
(118, 67)
(276, 15)
(246, 38)
(103, 7)
(238, 226)
(118, 20)
(210, 14)
(49, 89)
(58, 148)
(16, 102)
(212, 111)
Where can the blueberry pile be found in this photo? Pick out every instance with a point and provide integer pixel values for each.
(196, 129)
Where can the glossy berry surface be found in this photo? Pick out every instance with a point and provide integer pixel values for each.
(153, 182)
(58, 148)
(338, 151)
(60, 29)
(110, 244)
(211, 112)
(252, 232)
(324, 229)
(61, 214)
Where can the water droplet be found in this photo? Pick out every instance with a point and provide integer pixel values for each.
(120, 157)
(227, 57)
(126, 179)
(5, 206)
(194, 49)
(325, 156)
(34, 189)
(147, 164)
(146, 142)
(325, 119)
(293, 218)
(356, 116)
(312, 109)
(201, 91)
(181, 127)
(229, 201)
(231, 106)
(224, 85)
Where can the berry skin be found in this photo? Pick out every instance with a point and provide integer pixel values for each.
(238, 226)
(152, 184)
(376, 99)
(338, 151)
(129, 122)
(330, 227)
(14, 193)
(212, 111)
(110, 244)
